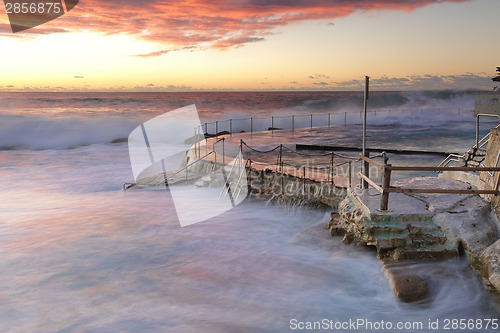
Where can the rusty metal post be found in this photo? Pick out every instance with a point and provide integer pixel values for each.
(331, 168)
(250, 173)
(366, 171)
(293, 123)
(282, 180)
(350, 174)
(386, 184)
(366, 166)
(304, 180)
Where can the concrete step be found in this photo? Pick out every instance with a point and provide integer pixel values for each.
(435, 252)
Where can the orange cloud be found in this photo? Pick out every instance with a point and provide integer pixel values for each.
(201, 24)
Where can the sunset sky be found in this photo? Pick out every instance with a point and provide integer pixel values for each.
(155, 45)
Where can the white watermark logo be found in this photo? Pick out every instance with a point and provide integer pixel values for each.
(203, 182)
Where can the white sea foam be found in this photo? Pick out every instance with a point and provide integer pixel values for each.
(27, 132)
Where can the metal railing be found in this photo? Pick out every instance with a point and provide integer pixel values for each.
(292, 122)
(168, 177)
(477, 126)
(479, 143)
(385, 187)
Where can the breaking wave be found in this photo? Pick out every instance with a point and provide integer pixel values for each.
(25, 132)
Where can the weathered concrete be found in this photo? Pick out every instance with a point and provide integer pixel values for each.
(423, 226)
(290, 190)
(486, 180)
(407, 231)
(490, 261)
(407, 285)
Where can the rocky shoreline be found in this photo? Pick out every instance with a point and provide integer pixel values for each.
(423, 227)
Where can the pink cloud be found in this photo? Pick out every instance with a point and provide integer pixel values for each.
(201, 24)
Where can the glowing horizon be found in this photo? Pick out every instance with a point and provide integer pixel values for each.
(202, 45)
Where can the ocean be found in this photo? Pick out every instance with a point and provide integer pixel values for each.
(79, 254)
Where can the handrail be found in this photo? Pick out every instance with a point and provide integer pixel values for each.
(213, 149)
(477, 124)
(479, 143)
(237, 183)
(187, 166)
(386, 187)
(327, 119)
(236, 160)
(448, 159)
(241, 174)
(173, 174)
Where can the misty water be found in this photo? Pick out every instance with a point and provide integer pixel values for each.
(78, 254)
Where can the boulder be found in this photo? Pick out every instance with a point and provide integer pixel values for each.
(491, 259)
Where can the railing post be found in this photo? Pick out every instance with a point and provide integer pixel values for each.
(272, 124)
(350, 174)
(345, 118)
(477, 131)
(331, 168)
(386, 183)
(281, 153)
(223, 162)
(251, 125)
(366, 171)
(216, 128)
(293, 123)
(231, 126)
(311, 120)
(329, 119)
(282, 180)
(303, 180)
(250, 173)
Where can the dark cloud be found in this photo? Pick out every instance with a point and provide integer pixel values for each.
(418, 82)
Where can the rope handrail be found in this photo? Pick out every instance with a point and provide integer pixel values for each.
(259, 151)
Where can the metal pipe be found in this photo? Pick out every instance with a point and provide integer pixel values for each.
(477, 124)
(350, 174)
(331, 167)
(365, 103)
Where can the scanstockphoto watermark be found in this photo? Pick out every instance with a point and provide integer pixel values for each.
(166, 151)
(201, 187)
(306, 180)
(26, 14)
(364, 325)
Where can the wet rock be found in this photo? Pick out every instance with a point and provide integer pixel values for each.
(491, 259)
(407, 285)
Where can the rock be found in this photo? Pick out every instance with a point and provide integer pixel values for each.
(491, 259)
(470, 228)
(410, 288)
(348, 239)
(407, 285)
